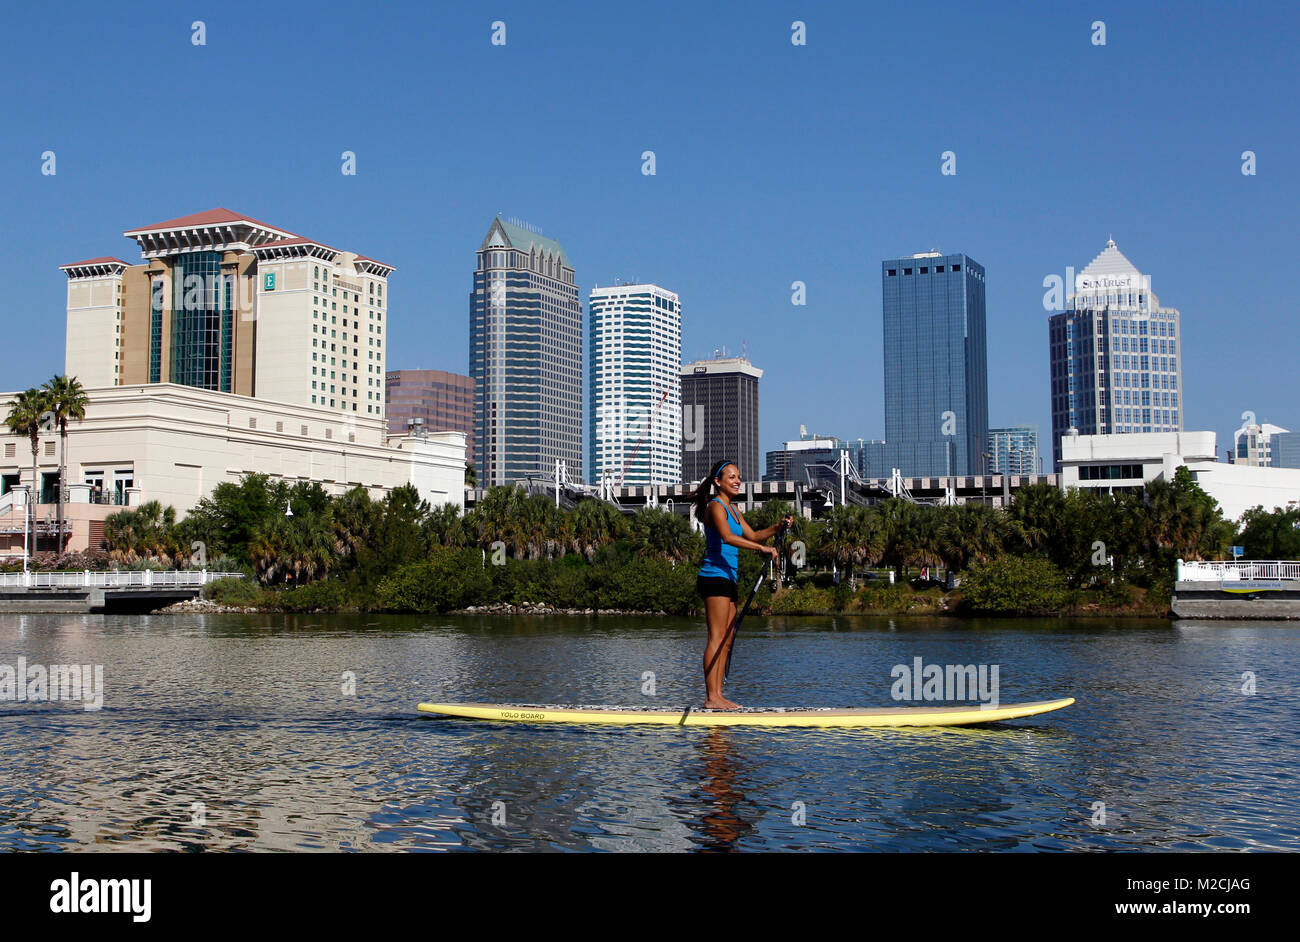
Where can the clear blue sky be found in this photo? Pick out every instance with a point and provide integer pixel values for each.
(775, 163)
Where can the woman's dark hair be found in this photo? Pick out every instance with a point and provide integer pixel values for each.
(707, 491)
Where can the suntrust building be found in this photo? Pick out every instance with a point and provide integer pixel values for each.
(1114, 355)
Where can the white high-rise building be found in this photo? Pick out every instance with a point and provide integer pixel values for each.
(635, 401)
(1114, 355)
(1253, 444)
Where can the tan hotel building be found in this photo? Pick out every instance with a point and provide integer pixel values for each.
(234, 346)
(228, 303)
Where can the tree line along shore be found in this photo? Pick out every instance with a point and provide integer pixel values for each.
(1052, 552)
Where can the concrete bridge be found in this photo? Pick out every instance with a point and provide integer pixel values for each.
(87, 591)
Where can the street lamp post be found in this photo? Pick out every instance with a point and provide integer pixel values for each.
(27, 525)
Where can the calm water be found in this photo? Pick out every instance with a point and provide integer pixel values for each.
(233, 733)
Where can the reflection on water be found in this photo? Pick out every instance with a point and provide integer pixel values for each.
(720, 827)
(237, 733)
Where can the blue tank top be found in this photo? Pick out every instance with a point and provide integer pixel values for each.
(722, 558)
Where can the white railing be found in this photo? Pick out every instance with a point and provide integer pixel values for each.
(122, 579)
(1236, 570)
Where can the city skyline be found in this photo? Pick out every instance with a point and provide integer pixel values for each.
(767, 155)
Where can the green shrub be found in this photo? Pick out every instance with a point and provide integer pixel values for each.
(327, 594)
(225, 563)
(802, 599)
(447, 580)
(1015, 585)
(883, 597)
(647, 585)
(570, 587)
(233, 592)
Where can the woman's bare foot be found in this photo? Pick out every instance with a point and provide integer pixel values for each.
(722, 703)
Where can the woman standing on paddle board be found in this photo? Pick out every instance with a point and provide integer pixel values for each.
(725, 533)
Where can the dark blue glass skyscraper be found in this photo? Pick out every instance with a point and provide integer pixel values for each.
(936, 365)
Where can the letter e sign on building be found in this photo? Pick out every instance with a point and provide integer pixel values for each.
(269, 284)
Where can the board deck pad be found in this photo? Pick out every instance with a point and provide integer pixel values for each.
(943, 715)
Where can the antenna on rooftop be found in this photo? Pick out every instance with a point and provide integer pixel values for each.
(524, 224)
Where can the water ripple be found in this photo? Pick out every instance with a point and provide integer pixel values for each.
(239, 733)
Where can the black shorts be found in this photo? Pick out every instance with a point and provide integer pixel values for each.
(715, 585)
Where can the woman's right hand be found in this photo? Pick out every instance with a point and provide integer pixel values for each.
(772, 552)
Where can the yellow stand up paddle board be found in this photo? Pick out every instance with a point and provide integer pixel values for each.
(627, 716)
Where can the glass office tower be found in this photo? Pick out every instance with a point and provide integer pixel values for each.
(936, 365)
(720, 416)
(525, 355)
(1114, 355)
(1012, 450)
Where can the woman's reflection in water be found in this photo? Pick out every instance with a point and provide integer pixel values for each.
(721, 828)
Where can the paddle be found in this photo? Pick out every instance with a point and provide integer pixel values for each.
(735, 626)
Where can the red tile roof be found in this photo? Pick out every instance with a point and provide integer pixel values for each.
(103, 260)
(296, 240)
(209, 218)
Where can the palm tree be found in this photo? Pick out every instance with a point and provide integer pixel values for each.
(144, 532)
(559, 531)
(596, 523)
(445, 526)
(661, 533)
(27, 416)
(536, 526)
(354, 517)
(970, 533)
(910, 534)
(855, 536)
(1038, 509)
(301, 546)
(837, 542)
(1183, 519)
(497, 517)
(67, 400)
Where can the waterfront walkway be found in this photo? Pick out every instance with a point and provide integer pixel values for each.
(89, 591)
(1240, 588)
